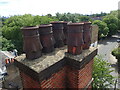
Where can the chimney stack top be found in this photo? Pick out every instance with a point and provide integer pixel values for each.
(75, 24)
(30, 27)
(45, 25)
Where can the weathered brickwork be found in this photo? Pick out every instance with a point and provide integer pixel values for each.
(28, 82)
(85, 75)
(66, 77)
(68, 72)
(57, 80)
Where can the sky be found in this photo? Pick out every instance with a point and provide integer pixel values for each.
(43, 7)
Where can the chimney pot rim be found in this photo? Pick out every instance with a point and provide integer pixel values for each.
(29, 27)
(87, 22)
(59, 22)
(75, 24)
(45, 25)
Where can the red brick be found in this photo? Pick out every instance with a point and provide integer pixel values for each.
(69, 76)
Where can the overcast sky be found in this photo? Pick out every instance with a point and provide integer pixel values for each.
(43, 7)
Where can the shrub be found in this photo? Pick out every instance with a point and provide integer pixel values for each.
(101, 74)
(116, 53)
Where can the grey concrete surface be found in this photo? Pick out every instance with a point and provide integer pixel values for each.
(105, 47)
(12, 80)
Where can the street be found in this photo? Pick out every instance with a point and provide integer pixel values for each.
(105, 47)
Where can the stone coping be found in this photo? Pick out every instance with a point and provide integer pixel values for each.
(43, 62)
(43, 67)
(49, 59)
(80, 57)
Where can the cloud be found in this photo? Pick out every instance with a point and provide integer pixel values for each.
(39, 7)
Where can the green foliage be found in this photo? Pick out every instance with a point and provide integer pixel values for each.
(118, 24)
(11, 28)
(49, 15)
(116, 53)
(84, 18)
(114, 13)
(103, 29)
(6, 44)
(118, 19)
(68, 17)
(72, 17)
(2, 19)
(112, 23)
(98, 15)
(101, 74)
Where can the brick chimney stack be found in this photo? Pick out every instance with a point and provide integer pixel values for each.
(58, 69)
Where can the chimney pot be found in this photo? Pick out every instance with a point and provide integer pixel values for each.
(86, 35)
(58, 33)
(46, 38)
(75, 38)
(32, 45)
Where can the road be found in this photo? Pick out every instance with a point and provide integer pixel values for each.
(105, 47)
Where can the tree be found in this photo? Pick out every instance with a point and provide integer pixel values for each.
(101, 74)
(118, 24)
(11, 28)
(58, 15)
(116, 53)
(64, 17)
(84, 18)
(103, 29)
(98, 15)
(118, 19)
(6, 44)
(112, 23)
(49, 15)
(116, 13)
(68, 17)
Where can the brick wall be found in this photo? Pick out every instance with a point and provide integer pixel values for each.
(79, 78)
(57, 80)
(72, 77)
(66, 77)
(85, 75)
(28, 82)
(71, 71)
